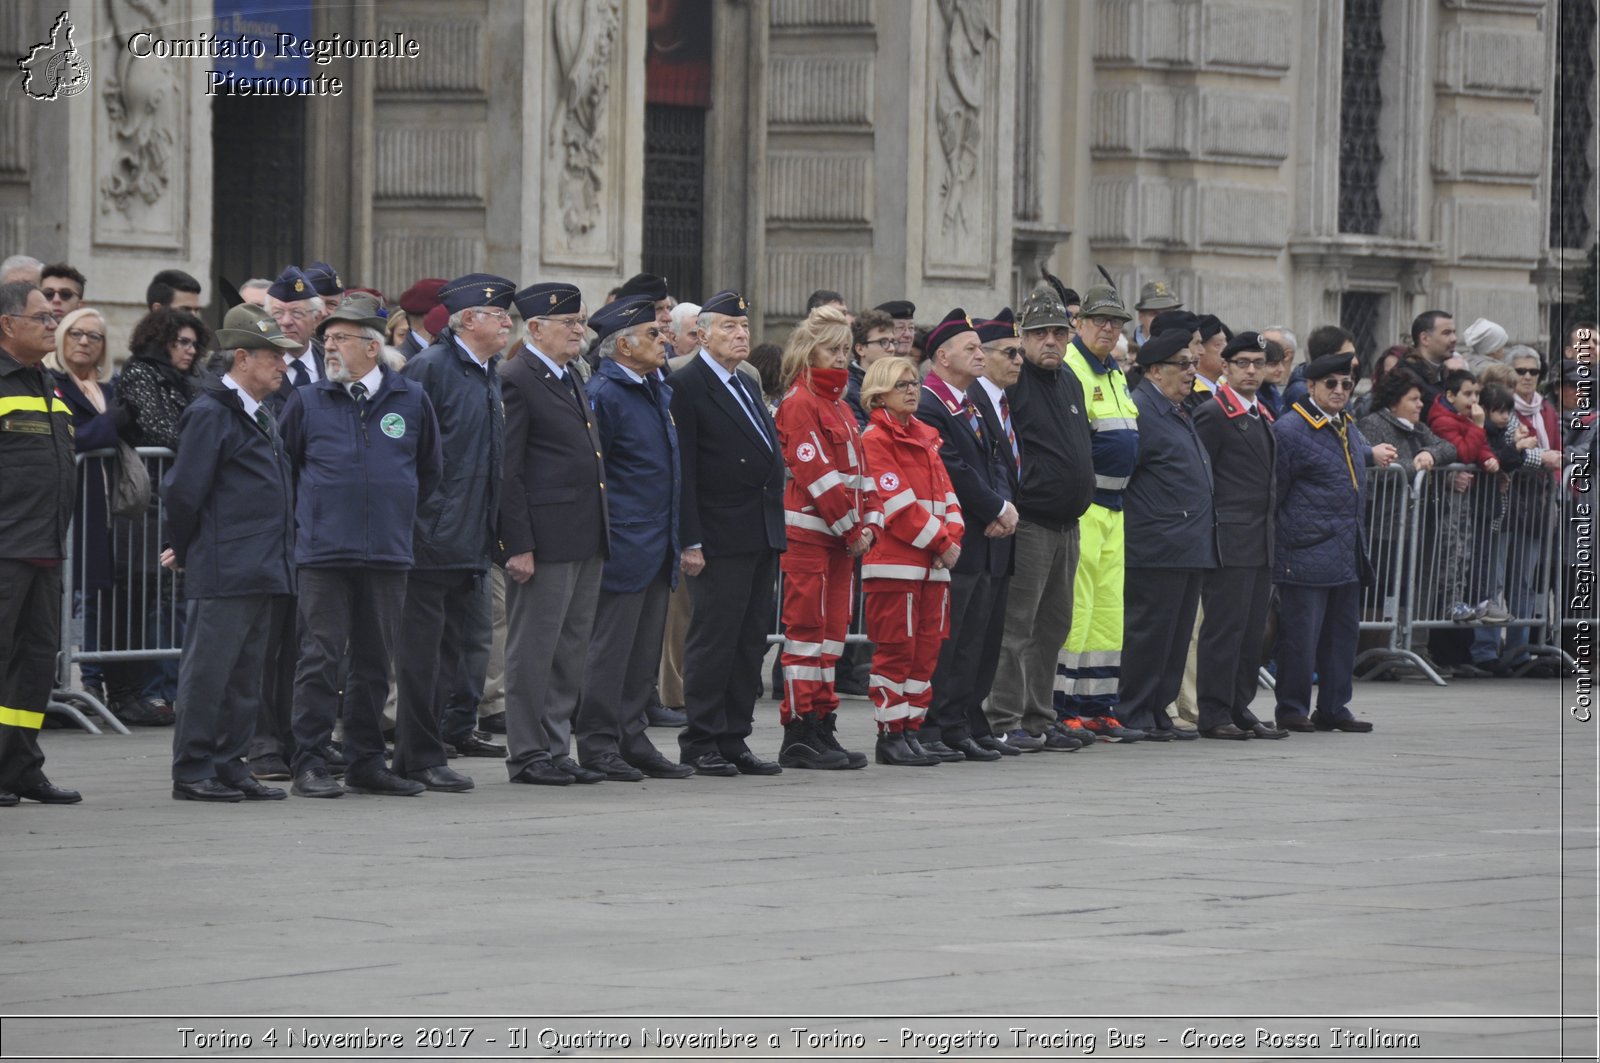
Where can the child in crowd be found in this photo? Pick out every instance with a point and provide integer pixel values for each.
(1512, 445)
(1458, 418)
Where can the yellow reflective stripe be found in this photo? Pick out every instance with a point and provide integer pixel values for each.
(33, 404)
(21, 718)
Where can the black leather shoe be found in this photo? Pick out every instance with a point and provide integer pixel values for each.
(381, 782)
(443, 779)
(657, 766)
(992, 743)
(612, 768)
(7, 799)
(747, 763)
(827, 733)
(712, 764)
(913, 742)
(493, 724)
(542, 773)
(666, 716)
(803, 748)
(1156, 734)
(272, 766)
(316, 782)
(1296, 723)
(477, 744)
(1348, 723)
(48, 793)
(973, 751)
(894, 750)
(1227, 731)
(579, 773)
(1181, 734)
(935, 749)
(255, 791)
(1266, 730)
(205, 790)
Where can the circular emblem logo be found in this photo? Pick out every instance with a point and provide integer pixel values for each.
(393, 425)
(805, 452)
(889, 482)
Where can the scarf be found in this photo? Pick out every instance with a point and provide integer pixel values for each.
(1532, 411)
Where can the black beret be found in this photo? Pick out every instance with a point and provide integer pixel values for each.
(646, 284)
(1003, 326)
(548, 299)
(899, 309)
(1167, 345)
(1070, 298)
(1171, 319)
(954, 324)
(1246, 341)
(1330, 364)
(1210, 325)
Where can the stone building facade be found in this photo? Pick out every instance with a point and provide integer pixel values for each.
(1276, 161)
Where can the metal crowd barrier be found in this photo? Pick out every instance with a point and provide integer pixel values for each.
(858, 623)
(136, 618)
(1488, 539)
(1390, 518)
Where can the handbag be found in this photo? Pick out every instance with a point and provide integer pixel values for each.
(130, 484)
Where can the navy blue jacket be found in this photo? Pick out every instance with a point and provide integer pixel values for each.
(983, 472)
(1322, 482)
(455, 527)
(359, 480)
(91, 538)
(1169, 514)
(229, 501)
(644, 483)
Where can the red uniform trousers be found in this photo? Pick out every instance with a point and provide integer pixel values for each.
(908, 620)
(816, 618)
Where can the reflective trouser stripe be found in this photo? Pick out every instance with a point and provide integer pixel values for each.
(31, 721)
(1091, 660)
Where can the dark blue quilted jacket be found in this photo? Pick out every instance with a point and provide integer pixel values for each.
(1322, 482)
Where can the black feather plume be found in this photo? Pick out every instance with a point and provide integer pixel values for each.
(1055, 282)
(1106, 275)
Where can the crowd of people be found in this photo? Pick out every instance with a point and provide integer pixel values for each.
(402, 530)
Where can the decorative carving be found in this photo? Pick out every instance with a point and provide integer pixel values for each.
(792, 275)
(584, 32)
(959, 101)
(451, 61)
(402, 257)
(142, 107)
(833, 91)
(429, 162)
(819, 187)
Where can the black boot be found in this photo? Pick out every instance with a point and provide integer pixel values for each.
(826, 726)
(892, 749)
(802, 748)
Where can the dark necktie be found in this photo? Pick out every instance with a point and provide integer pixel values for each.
(750, 407)
(264, 419)
(568, 379)
(298, 375)
(1005, 419)
(655, 389)
(970, 408)
(358, 391)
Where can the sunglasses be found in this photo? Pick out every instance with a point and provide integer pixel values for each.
(60, 293)
(1527, 372)
(1011, 353)
(1183, 363)
(1342, 383)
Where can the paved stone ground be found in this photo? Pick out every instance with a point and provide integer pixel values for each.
(1444, 865)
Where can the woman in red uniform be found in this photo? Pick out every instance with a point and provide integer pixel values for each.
(906, 574)
(831, 510)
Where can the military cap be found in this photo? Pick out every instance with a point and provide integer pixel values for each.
(383, 311)
(1210, 325)
(422, 296)
(1164, 346)
(549, 299)
(436, 319)
(324, 278)
(292, 286)
(1103, 301)
(726, 302)
(899, 309)
(1002, 326)
(953, 324)
(646, 284)
(1070, 298)
(1157, 296)
(1043, 309)
(477, 289)
(1275, 351)
(1171, 319)
(1247, 341)
(358, 308)
(622, 313)
(248, 325)
(1330, 364)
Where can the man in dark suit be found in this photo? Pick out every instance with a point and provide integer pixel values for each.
(228, 500)
(732, 529)
(416, 301)
(1236, 430)
(294, 304)
(553, 532)
(983, 470)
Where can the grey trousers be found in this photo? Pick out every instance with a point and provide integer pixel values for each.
(620, 675)
(548, 623)
(1038, 618)
(219, 687)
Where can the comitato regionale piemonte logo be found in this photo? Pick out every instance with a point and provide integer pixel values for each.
(55, 69)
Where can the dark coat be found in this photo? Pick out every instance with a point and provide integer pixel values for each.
(276, 401)
(1322, 483)
(1050, 418)
(983, 473)
(1244, 484)
(553, 502)
(91, 519)
(732, 480)
(155, 393)
(229, 501)
(38, 470)
(644, 483)
(410, 347)
(852, 393)
(359, 480)
(456, 525)
(1170, 520)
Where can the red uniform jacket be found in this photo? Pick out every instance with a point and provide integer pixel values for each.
(830, 497)
(921, 517)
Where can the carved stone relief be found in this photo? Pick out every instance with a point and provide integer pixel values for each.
(141, 132)
(584, 33)
(960, 189)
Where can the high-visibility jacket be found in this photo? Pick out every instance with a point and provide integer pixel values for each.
(38, 472)
(830, 497)
(1113, 422)
(921, 517)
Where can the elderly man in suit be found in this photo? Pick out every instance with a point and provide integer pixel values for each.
(731, 526)
(553, 532)
(643, 487)
(228, 501)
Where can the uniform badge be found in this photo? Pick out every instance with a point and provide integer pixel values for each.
(888, 482)
(488, 292)
(553, 298)
(336, 283)
(393, 425)
(1074, 408)
(1098, 394)
(299, 286)
(805, 452)
(741, 302)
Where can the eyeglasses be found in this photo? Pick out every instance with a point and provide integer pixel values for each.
(1098, 322)
(492, 311)
(292, 313)
(883, 343)
(905, 328)
(654, 333)
(1182, 363)
(1528, 372)
(1342, 383)
(907, 387)
(186, 342)
(46, 318)
(563, 322)
(1012, 353)
(60, 293)
(1249, 363)
(80, 335)
(339, 338)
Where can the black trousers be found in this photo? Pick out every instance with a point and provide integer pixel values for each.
(619, 674)
(30, 633)
(722, 653)
(1158, 612)
(349, 618)
(432, 630)
(968, 659)
(1236, 602)
(219, 687)
(274, 734)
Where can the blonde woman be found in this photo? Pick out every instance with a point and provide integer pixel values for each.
(832, 516)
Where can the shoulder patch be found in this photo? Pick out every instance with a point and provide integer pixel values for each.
(805, 452)
(888, 482)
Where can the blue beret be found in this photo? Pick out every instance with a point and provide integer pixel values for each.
(623, 313)
(1167, 345)
(954, 324)
(727, 302)
(1002, 326)
(646, 284)
(477, 289)
(324, 278)
(547, 300)
(292, 286)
